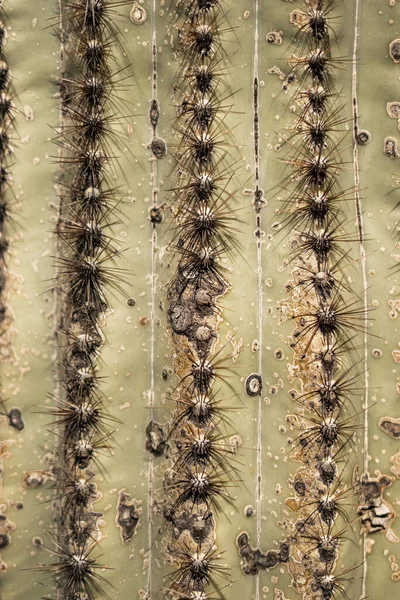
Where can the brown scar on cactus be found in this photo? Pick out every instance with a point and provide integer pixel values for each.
(6, 527)
(255, 560)
(34, 479)
(394, 50)
(376, 514)
(156, 438)
(13, 416)
(128, 515)
(393, 110)
(390, 147)
(275, 37)
(391, 426)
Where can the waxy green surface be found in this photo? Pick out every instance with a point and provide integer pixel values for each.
(27, 381)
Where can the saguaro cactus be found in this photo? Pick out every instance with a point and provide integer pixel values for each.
(199, 299)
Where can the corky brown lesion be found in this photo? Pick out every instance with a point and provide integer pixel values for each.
(200, 476)
(255, 560)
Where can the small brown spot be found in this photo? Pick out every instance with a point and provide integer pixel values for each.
(34, 478)
(156, 215)
(253, 385)
(274, 37)
(363, 137)
(393, 110)
(154, 113)
(390, 147)
(390, 426)
(158, 147)
(144, 321)
(300, 487)
(394, 50)
(156, 438)
(138, 14)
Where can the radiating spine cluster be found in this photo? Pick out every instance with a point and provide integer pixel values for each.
(86, 272)
(327, 313)
(201, 476)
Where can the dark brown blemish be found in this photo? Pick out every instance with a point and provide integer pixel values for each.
(299, 487)
(156, 215)
(390, 426)
(256, 125)
(327, 472)
(37, 542)
(258, 202)
(128, 515)
(156, 438)
(274, 37)
(166, 373)
(390, 147)
(158, 148)
(253, 385)
(35, 478)
(154, 113)
(375, 512)
(394, 50)
(393, 110)
(363, 137)
(255, 560)
(199, 526)
(15, 419)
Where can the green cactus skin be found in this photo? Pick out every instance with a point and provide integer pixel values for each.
(28, 373)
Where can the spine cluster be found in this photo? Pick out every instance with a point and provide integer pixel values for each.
(327, 313)
(200, 477)
(86, 272)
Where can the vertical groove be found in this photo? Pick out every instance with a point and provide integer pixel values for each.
(360, 226)
(154, 191)
(260, 312)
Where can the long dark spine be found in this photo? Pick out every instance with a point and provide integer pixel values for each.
(86, 272)
(202, 472)
(327, 313)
